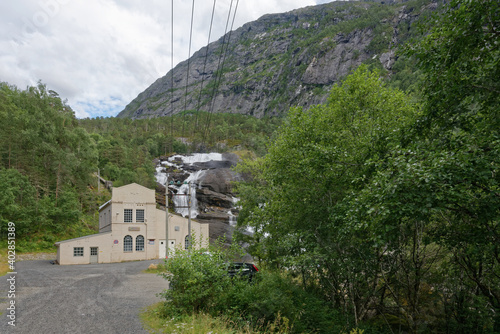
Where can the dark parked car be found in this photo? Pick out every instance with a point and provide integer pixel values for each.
(242, 269)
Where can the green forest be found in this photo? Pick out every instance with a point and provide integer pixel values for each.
(388, 205)
(49, 159)
(376, 212)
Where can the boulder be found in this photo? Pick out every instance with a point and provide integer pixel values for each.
(208, 197)
(219, 180)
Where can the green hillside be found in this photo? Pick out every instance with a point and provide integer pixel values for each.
(374, 210)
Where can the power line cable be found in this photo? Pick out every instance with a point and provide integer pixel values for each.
(198, 103)
(188, 65)
(220, 66)
(205, 132)
(172, 81)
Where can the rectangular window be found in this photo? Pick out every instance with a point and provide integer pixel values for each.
(77, 251)
(127, 215)
(139, 216)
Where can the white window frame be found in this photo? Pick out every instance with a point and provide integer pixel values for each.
(128, 243)
(138, 243)
(137, 218)
(77, 251)
(128, 215)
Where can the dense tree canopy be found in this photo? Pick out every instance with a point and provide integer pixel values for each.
(46, 161)
(393, 210)
(48, 158)
(386, 205)
(321, 157)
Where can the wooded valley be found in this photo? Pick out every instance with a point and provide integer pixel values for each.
(378, 209)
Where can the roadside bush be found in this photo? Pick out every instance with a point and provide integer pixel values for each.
(196, 278)
(274, 298)
(271, 302)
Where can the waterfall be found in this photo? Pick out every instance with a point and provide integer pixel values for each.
(181, 198)
(197, 157)
(161, 177)
(232, 219)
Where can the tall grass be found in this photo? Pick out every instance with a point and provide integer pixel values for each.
(199, 323)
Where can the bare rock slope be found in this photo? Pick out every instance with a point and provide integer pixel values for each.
(283, 60)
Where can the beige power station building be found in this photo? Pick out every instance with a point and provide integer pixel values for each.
(131, 228)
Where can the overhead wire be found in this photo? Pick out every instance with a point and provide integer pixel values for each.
(220, 66)
(198, 103)
(218, 77)
(217, 74)
(187, 72)
(172, 80)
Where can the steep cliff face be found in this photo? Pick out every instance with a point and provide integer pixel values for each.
(282, 60)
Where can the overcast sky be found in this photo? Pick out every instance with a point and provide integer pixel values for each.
(100, 54)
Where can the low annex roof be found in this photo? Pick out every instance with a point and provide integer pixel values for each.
(79, 238)
(102, 206)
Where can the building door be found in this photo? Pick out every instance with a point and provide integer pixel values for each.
(162, 249)
(94, 251)
(171, 247)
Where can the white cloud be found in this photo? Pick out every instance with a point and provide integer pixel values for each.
(100, 54)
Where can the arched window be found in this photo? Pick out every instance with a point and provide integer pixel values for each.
(139, 243)
(127, 243)
(186, 242)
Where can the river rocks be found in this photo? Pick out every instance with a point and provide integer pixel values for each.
(219, 180)
(212, 181)
(209, 198)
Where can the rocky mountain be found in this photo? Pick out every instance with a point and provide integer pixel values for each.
(282, 60)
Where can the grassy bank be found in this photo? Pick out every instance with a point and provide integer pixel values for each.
(4, 266)
(194, 324)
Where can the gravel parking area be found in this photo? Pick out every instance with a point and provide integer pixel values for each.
(99, 298)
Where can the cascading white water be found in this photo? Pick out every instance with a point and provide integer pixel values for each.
(161, 178)
(181, 199)
(232, 219)
(197, 157)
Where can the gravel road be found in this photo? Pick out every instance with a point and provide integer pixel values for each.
(99, 298)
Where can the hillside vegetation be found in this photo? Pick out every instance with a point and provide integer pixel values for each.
(375, 210)
(389, 208)
(49, 160)
(46, 165)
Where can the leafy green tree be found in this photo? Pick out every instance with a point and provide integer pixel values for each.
(320, 157)
(435, 197)
(17, 201)
(458, 146)
(459, 60)
(11, 118)
(46, 153)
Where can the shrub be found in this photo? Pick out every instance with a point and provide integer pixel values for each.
(196, 277)
(271, 302)
(273, 297)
